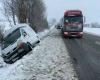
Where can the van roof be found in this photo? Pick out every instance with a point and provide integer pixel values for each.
(14, 28)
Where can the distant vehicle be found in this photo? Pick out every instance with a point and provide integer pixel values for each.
(58, 26)
(73, 23)
(18, 41)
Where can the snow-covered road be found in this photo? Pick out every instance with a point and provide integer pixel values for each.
(48, 61)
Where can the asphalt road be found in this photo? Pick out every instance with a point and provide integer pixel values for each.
(85, 54)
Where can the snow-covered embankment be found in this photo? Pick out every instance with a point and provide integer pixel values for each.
(48, 61)
(93, 31)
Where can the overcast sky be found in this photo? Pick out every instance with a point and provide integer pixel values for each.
(90, 8)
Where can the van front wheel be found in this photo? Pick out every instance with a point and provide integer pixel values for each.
(26, 47)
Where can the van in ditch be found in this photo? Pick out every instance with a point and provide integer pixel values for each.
(18, 41)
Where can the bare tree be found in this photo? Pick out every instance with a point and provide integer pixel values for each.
(13, 11)
(1, 33)
(37, 16)
(9, 10)
(31, 11)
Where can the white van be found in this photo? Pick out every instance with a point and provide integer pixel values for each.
(18, 41)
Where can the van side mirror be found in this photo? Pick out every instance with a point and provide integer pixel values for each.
(24, 34)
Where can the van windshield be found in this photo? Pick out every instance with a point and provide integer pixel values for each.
(11, 38)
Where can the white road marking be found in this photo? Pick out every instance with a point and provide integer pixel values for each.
(97, 42)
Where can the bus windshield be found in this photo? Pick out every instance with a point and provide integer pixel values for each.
(72, 19)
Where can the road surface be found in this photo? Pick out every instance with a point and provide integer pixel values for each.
(85, 54)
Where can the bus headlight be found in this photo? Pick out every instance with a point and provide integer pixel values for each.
(79, 26)
(81, 33)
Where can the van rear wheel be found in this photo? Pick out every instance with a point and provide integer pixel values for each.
(30, 46)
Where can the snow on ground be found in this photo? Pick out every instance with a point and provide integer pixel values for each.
(93, 31)
(45, 33)
(48, 61)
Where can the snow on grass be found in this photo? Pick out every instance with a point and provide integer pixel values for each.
(48, 61)
(93, 31)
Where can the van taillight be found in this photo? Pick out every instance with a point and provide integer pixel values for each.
(20, 45)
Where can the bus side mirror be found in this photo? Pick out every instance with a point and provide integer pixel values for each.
(84, 19)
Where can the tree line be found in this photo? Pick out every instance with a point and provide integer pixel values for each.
(32, 12)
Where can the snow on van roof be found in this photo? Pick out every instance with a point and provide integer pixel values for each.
(14, 28)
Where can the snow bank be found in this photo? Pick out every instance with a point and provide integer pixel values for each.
(93, 31)
(48, 61)
(45, 33)
(2, 64)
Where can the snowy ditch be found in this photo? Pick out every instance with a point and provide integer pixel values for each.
(48, 61)
(45, 33)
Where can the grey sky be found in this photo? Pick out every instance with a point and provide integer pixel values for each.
(90, 8)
